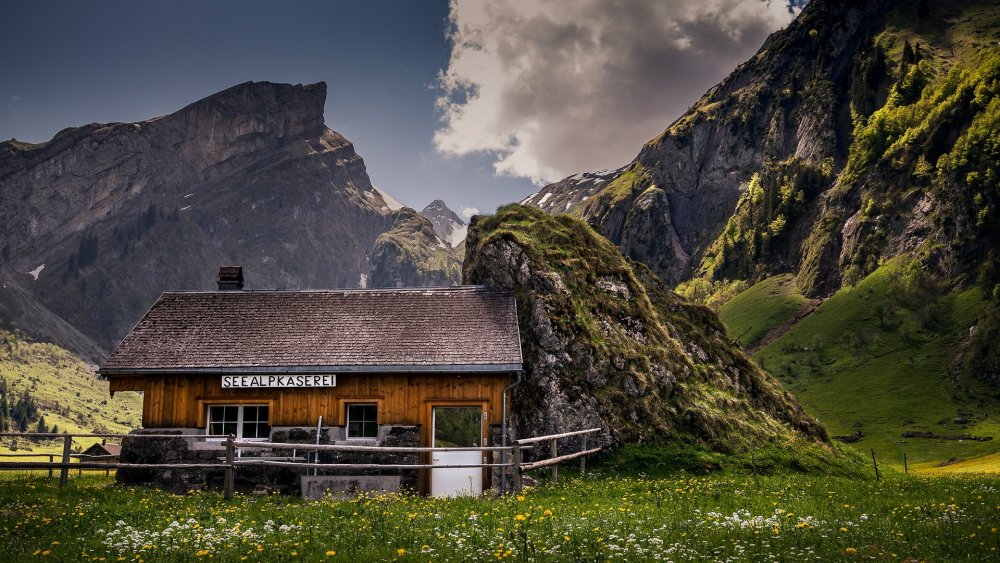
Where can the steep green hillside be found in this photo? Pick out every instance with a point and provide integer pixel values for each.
(880, 358)
(917, 124)
(766, 306)
(66, 389)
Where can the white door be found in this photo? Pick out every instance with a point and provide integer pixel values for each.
(457, 427)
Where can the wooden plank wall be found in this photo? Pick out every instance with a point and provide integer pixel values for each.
(181, 400)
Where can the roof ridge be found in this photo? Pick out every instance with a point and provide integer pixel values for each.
(440, 289)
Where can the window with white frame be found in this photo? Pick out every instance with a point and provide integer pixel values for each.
(362, 420)
(247, 422)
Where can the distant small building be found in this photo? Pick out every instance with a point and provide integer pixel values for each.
(102, 452)
(422, 366)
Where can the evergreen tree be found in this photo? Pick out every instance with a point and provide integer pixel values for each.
(4, 407)
(41, 427)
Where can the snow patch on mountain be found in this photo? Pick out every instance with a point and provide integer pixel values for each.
(390, 201)
(448, 226)
(458, 233)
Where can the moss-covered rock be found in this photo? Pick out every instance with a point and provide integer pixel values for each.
(608, 344)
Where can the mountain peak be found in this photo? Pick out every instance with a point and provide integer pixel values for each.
(286, 109)
(249, 175)
(448, 226)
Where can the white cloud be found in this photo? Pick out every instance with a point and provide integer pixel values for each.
(468, 212)
(557, 87)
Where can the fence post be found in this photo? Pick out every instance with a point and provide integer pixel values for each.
(51, 460)
(875, 463)
(555, 466)
(230, 466)
(517, 466)
(64, 471)
(905, 468)
(583, 460)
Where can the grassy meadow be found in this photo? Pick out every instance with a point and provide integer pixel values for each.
(868, 361)
(676, 517)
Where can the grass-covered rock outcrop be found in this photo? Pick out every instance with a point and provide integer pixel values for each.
(607, 344)
(410, 254)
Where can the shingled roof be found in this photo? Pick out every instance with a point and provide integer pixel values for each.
(466, 328)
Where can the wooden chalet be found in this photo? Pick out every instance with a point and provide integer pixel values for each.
(102, 451)
(354, 363)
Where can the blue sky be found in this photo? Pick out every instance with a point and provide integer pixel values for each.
(71, 63)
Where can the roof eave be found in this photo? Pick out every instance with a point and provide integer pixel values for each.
(228, 370)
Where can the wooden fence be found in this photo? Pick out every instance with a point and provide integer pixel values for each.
(232, 460)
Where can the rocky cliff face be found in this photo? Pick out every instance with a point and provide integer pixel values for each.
(683, 186)
(98, 221)
(607, 344)
(847, 139)
(412, 254)
(448, 226)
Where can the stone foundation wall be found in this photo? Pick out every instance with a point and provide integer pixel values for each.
(182, 450)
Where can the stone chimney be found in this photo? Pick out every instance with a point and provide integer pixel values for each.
(230, 278)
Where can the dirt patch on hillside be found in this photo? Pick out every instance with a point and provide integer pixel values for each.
(776, 332)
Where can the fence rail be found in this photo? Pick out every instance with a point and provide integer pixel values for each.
(51, 435)
(348, 448)
(233, 460)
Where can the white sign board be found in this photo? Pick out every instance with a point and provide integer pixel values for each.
(254, 381)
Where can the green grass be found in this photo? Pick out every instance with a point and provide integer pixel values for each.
(859, 363)
(629, 184)
(989, 463)
(68, 392)
(761, 308)
(682, 517)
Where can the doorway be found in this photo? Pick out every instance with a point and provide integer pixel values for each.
(457, 427)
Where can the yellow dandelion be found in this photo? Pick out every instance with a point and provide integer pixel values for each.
(850, 551)
(400, 552)
(331, 553)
